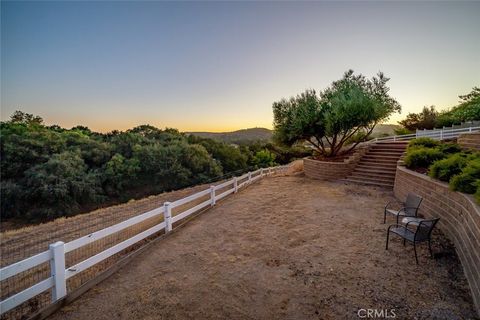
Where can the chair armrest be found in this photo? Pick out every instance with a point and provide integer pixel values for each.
(406, 225)
(415, 208)
(393, 201)
(395, 225)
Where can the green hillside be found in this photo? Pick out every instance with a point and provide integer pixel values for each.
(263, 134)
(239, 136)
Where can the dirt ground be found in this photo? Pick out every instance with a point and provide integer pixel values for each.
(284, 248)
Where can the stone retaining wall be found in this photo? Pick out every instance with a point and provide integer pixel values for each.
(469, 140)
(330, 170)
(459, 219)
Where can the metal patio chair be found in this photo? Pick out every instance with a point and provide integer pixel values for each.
(422, 233)
(409, 207)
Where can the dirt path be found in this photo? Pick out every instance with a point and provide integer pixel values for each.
(284, 248)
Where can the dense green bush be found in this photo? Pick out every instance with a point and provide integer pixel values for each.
(446, 168)
(446, 162)
(449, 148)
(468, 180)
(422, 157)
(264, 159)
(423, 142)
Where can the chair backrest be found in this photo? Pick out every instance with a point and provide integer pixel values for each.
(412, 204)
(425, 229)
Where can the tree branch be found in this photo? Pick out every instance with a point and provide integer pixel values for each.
(319, 147)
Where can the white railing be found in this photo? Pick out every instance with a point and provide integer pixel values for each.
(437, 134)
(56, 253)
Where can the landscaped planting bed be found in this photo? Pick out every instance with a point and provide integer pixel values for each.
(446, 162)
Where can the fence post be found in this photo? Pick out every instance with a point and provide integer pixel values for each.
(416, 133)
(57, 270)
(394, 138)
(235, 185)
(212, 195)
(249, 177)
(470, 129)
(441, 134)
(261, 172)
(167, 216)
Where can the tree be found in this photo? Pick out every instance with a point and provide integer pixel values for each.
(62, 184)
(473, 96)
(120, 173)
(25, 118)
(264, 159)
(49, 171)
(231, 157)
(328, 121)
(467, 110)
(427, 119)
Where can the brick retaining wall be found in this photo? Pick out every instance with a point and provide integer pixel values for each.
(469, 140)
(459, 219)
(329, 170)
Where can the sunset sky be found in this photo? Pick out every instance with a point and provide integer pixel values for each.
(218, 66)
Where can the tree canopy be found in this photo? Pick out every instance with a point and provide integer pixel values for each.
(330, 119)
(427, 119)
(467, 110)
(49, 171)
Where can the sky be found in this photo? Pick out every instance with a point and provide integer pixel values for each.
(219, 66)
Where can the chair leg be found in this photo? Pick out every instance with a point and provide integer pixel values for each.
(404, 242)
(388, 234)
(430, 248)
(415, 250)
(384, 216)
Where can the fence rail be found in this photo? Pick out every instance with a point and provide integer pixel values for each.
(437, 134)
(59, 272)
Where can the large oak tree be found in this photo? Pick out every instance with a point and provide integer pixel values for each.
(328, 120)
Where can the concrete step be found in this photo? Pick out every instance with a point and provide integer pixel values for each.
(375, 165)
(392, 143)
(384, 153)
(397, 150)
(387, 171)
(378, 166)
(389, 146)
(380, 157)
(372, 177)
(380, 162)
(375, 183)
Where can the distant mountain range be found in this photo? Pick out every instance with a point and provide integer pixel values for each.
(244, 135)
(263, 134)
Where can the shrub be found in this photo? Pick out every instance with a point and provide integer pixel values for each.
(401, 131)
(264, 159)
(468, 180)
(423, 142)
(422, 157)
(449, 148)
(446, 168)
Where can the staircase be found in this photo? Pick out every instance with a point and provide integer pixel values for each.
(379, 164)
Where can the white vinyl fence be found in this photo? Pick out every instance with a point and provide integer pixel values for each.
(437, 134)
(59, 272)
